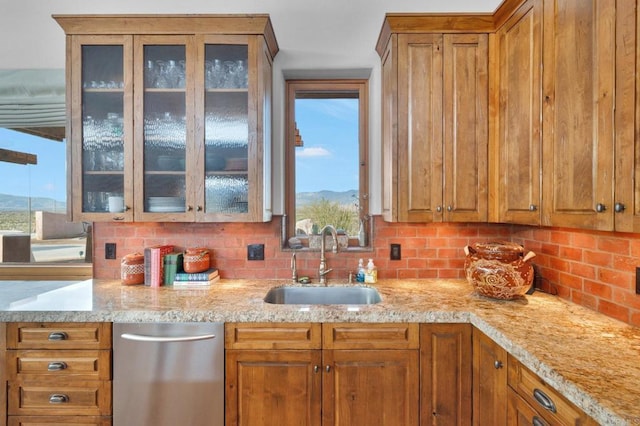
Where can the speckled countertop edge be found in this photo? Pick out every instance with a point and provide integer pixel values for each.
(591, 359)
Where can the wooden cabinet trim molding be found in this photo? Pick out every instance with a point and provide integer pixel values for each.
(258, 24)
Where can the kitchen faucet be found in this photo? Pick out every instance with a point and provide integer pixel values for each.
(322, 269)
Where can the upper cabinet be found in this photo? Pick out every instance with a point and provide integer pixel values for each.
(169, 117)
(578, 99)
(435, 119)
(516, 177)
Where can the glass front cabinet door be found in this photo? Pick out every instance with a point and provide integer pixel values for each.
(170, 119)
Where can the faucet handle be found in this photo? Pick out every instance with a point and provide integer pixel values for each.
(294, 269)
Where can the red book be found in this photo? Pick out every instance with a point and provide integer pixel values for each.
(154, 264)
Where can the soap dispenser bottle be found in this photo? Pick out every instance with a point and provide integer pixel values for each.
(371, 273)
(360, 271)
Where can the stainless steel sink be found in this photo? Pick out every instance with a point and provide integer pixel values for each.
(320, 295)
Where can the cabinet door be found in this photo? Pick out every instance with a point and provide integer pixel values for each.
(578, 88)
(445, 374)
(627, 117)
(164, 117)
(489, 382)
(273, 388)
(517, 175)
(420, 154)
(230, 139)
(100, 129)
(466, 121)
(390, 130)
(370, 387)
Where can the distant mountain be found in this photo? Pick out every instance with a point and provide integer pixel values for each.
(345, 197)
(20, 203)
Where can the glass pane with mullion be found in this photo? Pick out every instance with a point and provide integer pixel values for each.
(226, 129)
(165, 132)
(102, 125)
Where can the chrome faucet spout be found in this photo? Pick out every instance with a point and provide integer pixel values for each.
(322, 269)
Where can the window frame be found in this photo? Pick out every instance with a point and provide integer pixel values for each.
(317, 88)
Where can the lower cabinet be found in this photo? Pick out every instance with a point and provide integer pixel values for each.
(58, 373)
(329, 374)
(445, 374)
(348, 374)
(489, 381)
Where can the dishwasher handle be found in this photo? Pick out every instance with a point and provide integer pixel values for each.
(166, 339)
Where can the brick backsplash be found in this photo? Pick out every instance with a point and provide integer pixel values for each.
(593, 269)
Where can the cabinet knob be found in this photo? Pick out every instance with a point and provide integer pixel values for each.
(619, 207)
(439, 209)
(57, 336)
(199, 208)
(328, 368)
(56, 366)
(497, 364)
(449, 208)
(189, 208)
(533, 207)
(316, 368)
(600, 208)
(58, 398)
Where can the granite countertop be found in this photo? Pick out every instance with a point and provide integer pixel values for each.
(592, 359)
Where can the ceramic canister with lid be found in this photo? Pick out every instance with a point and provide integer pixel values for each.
(132, 269)
(196, 260)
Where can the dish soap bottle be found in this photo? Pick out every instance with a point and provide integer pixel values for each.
(371, 273)
(360, 272)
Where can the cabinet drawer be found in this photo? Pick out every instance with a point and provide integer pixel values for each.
(370, 336)
(59, 336)
(77, 398)
(519, 413)
(58, 421)
(545, 400)
(272, 336)
(51, 364)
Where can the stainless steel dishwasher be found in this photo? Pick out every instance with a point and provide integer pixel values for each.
(168, 374)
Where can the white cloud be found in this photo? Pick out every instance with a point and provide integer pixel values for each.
(312, 152)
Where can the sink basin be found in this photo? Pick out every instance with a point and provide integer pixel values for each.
(317, 295)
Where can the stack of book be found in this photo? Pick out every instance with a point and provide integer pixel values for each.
(198, 279)
(154, 264)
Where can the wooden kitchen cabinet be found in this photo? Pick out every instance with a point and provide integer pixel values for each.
(626, 206)
(578, 113)
(172, 113)
(517, 149)
(489, 381)
(532, 401)
(445, 374)
(338, 371)
(434, 123)
(58, 373)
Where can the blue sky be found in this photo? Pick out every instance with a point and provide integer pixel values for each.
(46, 179)
(329, 158)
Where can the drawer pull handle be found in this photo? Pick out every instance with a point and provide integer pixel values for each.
(544, 400)
(537, 421)
(57, 336)
(497, 364)
(58, 398)
(56, 366)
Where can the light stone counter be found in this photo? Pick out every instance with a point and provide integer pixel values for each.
(592, 359)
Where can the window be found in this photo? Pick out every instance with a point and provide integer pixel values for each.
(327, 161)
(33, 219)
